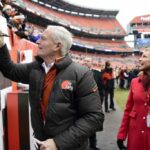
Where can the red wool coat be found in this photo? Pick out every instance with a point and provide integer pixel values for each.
(133, 125)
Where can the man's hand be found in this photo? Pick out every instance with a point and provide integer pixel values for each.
(49, 144)
(1, 39)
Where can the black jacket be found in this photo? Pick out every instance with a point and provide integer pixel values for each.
(74, 110)
(99, 80)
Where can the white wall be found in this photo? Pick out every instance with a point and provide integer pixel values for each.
(4, 29)
(130, 40)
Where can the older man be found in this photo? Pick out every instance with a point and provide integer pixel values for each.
(65, 104)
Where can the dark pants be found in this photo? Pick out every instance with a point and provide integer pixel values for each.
(93, 141)
(101, 93)
(121, 85)
(109, 92)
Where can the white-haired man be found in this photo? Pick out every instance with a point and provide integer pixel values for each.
(65, 104)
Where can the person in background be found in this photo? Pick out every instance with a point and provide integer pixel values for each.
(15, 21)
(35, 35)
(64, 99)
(126, 78)
(108, 81)
(136, 119)
(122, 78)
(98, 78)
(7, 12)
(116, 77)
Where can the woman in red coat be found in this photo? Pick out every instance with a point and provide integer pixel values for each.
(135, 125)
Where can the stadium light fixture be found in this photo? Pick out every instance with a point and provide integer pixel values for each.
(67, 11)
(88, 15)
(47, 5)
(34, 0)
(73, 12)
(61, 10)
(42, 3)
(55, 8)
(96, 16)
(81, 14)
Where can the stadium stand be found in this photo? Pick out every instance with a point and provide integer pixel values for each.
(109, 33)
(116, 60)
(66, 7)
(101, 44)
(101, 35)
(38, 10)
(139, 26)
(101, 26)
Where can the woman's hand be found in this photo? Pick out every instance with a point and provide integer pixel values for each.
(121, 144)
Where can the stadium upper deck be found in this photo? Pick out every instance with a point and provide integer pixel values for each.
(140, 23)
(66, 7)
(144, 19)
(99, 26)
(103, 33)
(140, 28)
(103, 44)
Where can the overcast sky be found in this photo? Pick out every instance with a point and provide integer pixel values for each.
(128, 9)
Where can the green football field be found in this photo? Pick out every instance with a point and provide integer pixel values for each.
(120, 96)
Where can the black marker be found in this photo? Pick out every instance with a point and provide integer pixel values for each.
(4, 35)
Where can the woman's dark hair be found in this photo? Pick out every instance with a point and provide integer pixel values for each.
(145, 81)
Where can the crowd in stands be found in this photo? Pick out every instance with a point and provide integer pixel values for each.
(104, 26)
(81, 57)
(121, 71)
(18, 22)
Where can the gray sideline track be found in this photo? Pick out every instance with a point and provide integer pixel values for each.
(106, 139)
